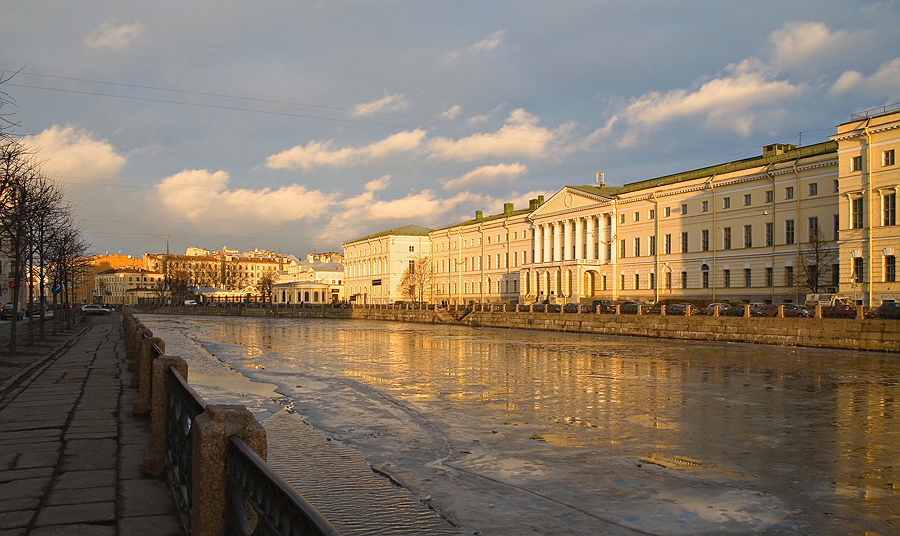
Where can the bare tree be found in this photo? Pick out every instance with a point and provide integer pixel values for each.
(265, 283)
(816, 258)
(415, 284)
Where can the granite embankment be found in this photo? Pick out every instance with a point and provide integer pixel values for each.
(846, 333)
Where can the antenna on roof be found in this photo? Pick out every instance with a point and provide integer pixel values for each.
(601, 182)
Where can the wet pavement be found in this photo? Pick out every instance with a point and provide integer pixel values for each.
(516, 432)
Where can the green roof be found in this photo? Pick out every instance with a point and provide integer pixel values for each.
(406, 230)
(738, 165)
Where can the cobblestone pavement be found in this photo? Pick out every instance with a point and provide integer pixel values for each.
(70, 449)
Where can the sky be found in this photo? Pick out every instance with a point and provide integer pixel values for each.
(296, 126)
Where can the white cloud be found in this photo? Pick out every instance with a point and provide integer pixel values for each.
(110, 36)
(489, 43)
(201, 194)
(390, 103)
(316, 153)
(520, 136)
(797, 44)
(71, 152)
(884, 82)
(452, 113)
(727, 103)
(487, 175)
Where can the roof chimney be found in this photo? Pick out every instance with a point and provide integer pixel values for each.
(479, 215)
(507, 208)
(540, 200)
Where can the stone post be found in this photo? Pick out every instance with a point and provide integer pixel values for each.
(143, 371)
(212, 430)
(746, 311)
(639, 312)
(662, 310)
(618, 310)
(716, 310)
(155, 455)
(818, 310)
(597, 309)
(503, 308)
(688, 310)
(860, 312)
(781, 311)
(531, 308)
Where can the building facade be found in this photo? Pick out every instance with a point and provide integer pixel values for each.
(374, 264)
(819, 219)
(869, 179)
(128, 285)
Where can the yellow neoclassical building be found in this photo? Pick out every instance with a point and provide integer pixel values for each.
(773, 228)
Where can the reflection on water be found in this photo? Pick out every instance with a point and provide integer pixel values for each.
(812, 435)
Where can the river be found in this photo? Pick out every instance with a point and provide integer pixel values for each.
(507, 432)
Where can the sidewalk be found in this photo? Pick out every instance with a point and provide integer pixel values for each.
(71, 451)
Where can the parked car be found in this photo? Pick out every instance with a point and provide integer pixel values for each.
(793, 310)
(629, 308)
(94, 310)
(763, 309)
(710, 309)
(7, 312)
(677, 309)
(888, 310)
(839, 311)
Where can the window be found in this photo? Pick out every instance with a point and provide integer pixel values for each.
(684, 242)
(637, 216)
(890, 269)
(856, 163)
(887, 158)
(668, 280)
(770, 196)
(683, 209)
(788, 231)
(890, 209)
(789, 276)
(748, 236)
(412, 266)
(668, 244)
(684, 279)
(652, 241)
(837, 186)
(704, 276)
(637, 281)
(748, 278)
(652, 214)
(622, 248)
(668, 211)
(726, 276)
(621, 218)
(813, 227)
(726, 238)
(653, 281)
(704, 206)
(789, 192)
(726, 203)
(747, 199)
(856, 213)
(858, 270)
(836, 225)
(813, 188)
(770, 277)
(637, 246)
(622, 282)
(704, 240)
(770, 234)
(835, 275)
(603, 279)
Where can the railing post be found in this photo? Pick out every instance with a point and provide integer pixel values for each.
(716, 311)
(143, 370)
(155, 455)
(746, 311)
(597, 309)
(531, 308)
(781, 311)
(818, 310)
(618, 310)
(688, 309)
(860, 312)
(639, 312)
(662, 310)
(211, 431)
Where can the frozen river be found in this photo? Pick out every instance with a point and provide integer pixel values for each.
(507, 432)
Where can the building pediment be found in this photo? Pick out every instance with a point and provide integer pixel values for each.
(571, 199)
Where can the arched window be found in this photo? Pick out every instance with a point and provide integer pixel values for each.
(306, 296)
(316, 296)
(704, 274)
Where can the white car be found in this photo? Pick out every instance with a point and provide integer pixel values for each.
(94, 310)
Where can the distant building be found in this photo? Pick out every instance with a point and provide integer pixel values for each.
(86, 290)
(374, 264)
(128, 285)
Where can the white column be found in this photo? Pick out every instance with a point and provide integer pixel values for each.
(589, 237)
(557, 241)
(546, 242)
(565, 244)
(579, 230)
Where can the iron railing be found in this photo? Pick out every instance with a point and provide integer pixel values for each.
(276, 508)
(183, 406)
